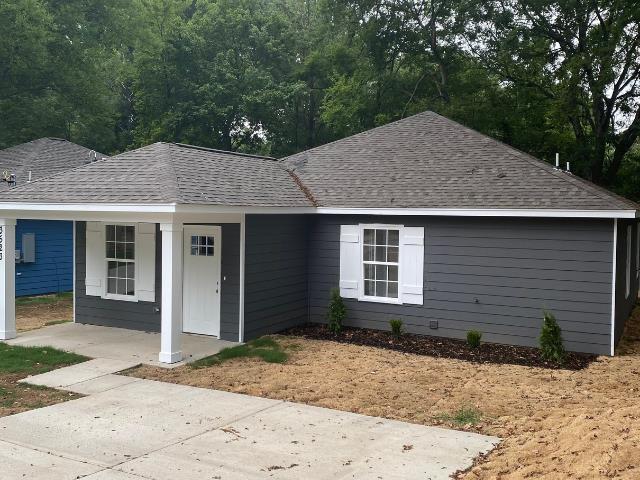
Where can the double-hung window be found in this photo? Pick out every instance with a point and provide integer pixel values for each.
(121, 262)
(380, 262)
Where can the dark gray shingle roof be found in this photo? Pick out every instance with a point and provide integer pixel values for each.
(43, 157)
(170, 173)
(429, 161)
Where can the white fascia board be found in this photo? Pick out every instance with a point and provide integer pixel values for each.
(19, 210)
(148, 208)
(472, 212)
(88, 207)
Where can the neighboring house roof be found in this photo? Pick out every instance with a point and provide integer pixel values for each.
(43, 157)
(428, 161)
(167, 173)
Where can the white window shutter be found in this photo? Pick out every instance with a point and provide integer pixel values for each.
(95, 259)
(349, 260)
(412, 265)
(146, 262)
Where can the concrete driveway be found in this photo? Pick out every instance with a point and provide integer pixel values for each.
(133, 429)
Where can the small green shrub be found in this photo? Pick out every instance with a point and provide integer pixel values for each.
(337, 311)
(465, 415)
(396, 327)
(551, 346)
(473, 338)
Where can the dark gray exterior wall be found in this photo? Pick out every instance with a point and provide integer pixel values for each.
(487, 274)
(230, 293)
(625, 304)
(275, 273)
(146, 315)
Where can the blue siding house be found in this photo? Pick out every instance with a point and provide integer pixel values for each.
(44, 248)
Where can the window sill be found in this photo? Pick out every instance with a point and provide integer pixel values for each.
(392, 301)
(125, 298)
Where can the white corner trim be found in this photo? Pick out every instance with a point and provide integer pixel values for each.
(480, 212)
(73, 256)
(613, 287)
(241, 293)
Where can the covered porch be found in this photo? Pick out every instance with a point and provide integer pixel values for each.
(120, 344)
(163, 289)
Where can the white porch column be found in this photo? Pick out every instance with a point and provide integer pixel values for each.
(7, 278)
(171, 305)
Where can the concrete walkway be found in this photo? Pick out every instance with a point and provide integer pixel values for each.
(117, 343)
(133, 429)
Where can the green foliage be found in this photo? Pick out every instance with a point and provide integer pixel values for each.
(266, 348)
(396, 327)
(279, 76)
(34, 360)
(473, 338)
(336, 312)
(551, 347)
(463, 416)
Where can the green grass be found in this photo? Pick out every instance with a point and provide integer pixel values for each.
(44, 299)
(34, 360)
(462, 416)
(265, 348)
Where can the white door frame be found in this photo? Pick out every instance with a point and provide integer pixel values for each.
(215, 230)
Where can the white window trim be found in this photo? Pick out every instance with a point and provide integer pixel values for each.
(628, 259)
(366, 298)
(114, 296)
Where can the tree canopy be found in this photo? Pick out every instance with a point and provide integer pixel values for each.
(279, 76)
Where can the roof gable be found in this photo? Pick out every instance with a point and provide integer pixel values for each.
(429, 161)
(168, 173)
(44, 157)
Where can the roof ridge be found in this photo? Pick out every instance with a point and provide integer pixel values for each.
(356, 135)
(547, 168)
(177, 193)
(226, 152)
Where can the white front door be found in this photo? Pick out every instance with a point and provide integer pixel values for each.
(201, 285)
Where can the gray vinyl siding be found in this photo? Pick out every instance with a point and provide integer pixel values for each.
(625, 304)
(276, 278)
(230, 285)
(487, 274)
(114, 313)
(146, 315)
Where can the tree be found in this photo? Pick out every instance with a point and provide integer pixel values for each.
(583, 56)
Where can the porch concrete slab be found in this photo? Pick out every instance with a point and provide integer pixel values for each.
(21, 462)
(290, 441)
(117, 343)
(81, 372)
(128, 421)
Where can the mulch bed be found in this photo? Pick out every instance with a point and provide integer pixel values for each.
(441, 347)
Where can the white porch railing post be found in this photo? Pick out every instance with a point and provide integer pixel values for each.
(171, 304)
(7, 278)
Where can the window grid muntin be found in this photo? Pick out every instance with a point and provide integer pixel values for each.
(203, 245)
(120, 259)
(380, 259)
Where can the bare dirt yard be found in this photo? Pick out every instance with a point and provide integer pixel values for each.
(43, 310)
(554, 423)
